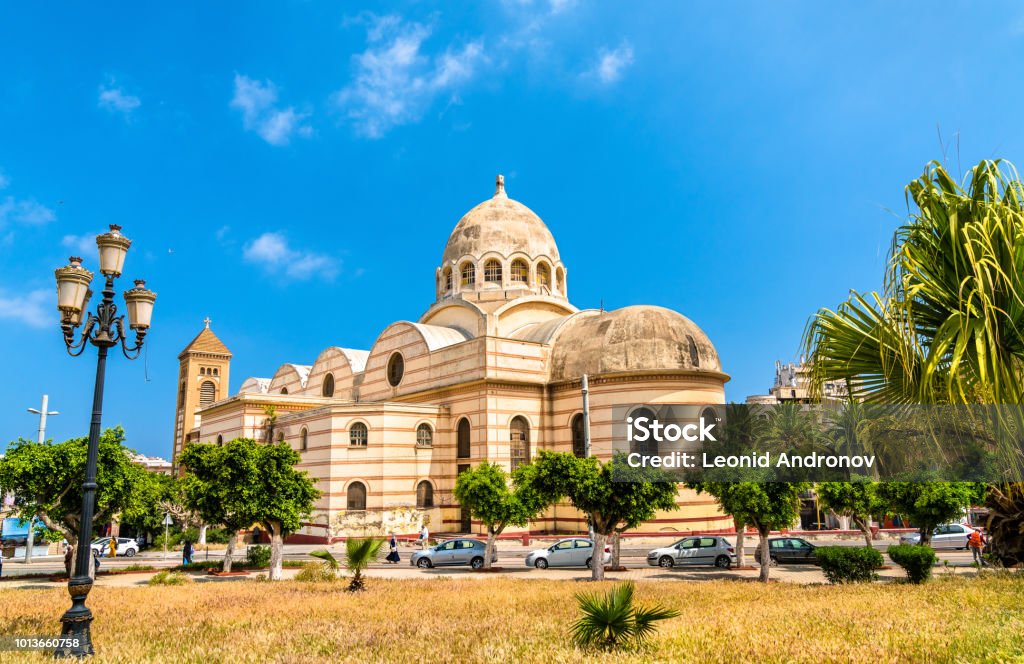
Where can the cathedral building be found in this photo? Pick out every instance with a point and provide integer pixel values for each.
(490, 371)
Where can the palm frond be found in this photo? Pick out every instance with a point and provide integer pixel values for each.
(328, 558)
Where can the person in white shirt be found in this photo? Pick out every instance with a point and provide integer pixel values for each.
(424, 537)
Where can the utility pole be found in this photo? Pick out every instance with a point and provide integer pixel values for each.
(43, 412)
(585, 384)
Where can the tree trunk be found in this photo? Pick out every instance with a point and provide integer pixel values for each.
(276, 551)
(616, 541)
(229, 554)
(766, 560)
(865, 528)
(597, 562)
(926, 536)
(202, 535)
(30, 541)
(492, 537)
(741, 537)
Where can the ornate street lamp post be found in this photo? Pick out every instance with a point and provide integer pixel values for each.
(104, 330)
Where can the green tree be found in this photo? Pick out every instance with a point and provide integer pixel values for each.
(613, 495)
(485, 492)
(147, 514)
(857, 499)
(245, 482)
(949, 326)
(762, 503)
(46, 480)
(214, 487)
(927, 503)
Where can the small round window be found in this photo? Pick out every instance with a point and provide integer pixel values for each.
(396, 369)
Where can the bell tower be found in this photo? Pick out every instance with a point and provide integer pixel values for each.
(203, 375)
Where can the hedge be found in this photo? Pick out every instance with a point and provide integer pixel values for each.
(848, 564)
(916, 560)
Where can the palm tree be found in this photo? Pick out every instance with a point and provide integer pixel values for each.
(949, 325)
(610, 620)
(359, 553)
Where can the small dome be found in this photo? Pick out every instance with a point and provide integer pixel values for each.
(503, 225)
(633, 338)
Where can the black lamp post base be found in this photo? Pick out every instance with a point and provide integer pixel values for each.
(76, 622)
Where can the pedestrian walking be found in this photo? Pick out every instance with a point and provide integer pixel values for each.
(68, 559)
(95, 561)
(977, 542)
(393, 556)
(186, 553)
(424, 537)
(113, 547)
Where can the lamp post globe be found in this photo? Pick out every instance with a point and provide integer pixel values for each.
(104, 330)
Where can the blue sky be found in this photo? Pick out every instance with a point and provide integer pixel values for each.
(293, 169)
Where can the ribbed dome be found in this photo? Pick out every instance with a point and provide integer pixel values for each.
(631, 339)
(502, 225)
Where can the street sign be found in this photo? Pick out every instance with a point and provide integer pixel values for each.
(168, 521)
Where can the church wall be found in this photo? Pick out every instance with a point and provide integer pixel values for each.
(331, 361)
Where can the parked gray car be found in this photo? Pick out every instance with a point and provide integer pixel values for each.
(946, 536)
(453, 552)
(704, 550)
(570, 552)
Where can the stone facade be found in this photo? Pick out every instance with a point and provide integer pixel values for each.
(491, 371)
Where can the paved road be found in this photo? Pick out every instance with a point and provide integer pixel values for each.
(510, 556)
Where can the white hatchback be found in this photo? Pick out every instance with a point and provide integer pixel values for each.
(126, 547)
(946, 536)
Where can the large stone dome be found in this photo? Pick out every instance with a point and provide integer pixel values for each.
(500, 225)
(637, 338)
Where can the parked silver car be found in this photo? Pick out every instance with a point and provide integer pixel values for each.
(703, 550)
(946, 536)
(570, 552)
(453, 552)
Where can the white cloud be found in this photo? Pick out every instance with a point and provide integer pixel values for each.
(257, 100)
(395, 81)
(82, 245)
(272, 252)
(114, 99)
(35, 309)
(24, 211)
(611, 64)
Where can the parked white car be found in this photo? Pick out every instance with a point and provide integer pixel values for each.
(703, 550)
(946, 536)
(126, 547)
(569, 552)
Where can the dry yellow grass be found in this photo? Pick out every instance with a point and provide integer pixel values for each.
(502, 620)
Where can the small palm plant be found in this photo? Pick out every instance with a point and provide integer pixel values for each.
(359, 553)
(611, 620)
(331, 564)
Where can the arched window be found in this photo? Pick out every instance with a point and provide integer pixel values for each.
(207, 393)
(560, 280)
(579, 444)
(648, 446)
(328, 387)
(358, 434)
(544, 275)
(280, 436)
(396, 369)
(520, 271)
(356, 497)
(468, 274)
(424, 495)
(463, 439)
(424, 436)
(492, 271)
(220, 441)
(216, 372)
(447, 279)
(304, 440)
(519, 441)
(284, 390)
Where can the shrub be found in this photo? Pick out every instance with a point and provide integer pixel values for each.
(258, 556)
(848, 564)
(916, 561)
(610, 619)
(169, 578)
(202, 565)
(316, 572)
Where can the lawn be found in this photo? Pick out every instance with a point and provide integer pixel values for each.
(504, 620)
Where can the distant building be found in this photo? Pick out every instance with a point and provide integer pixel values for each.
(157, 465)
(793, 385)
